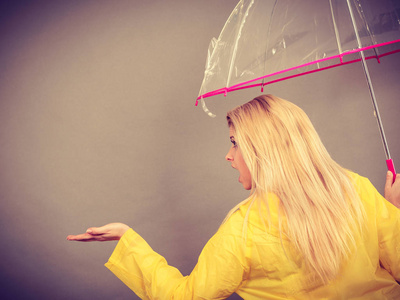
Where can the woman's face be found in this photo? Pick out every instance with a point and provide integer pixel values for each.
(237, 162)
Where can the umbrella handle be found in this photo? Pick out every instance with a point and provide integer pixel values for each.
(390, 165)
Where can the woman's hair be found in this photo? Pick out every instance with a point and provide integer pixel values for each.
(286, 157)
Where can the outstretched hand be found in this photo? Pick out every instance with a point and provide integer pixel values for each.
(392, 189)
(109, 232)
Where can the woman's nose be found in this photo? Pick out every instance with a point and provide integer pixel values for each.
(229, 156)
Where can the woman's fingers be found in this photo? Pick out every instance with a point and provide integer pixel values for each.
(84, 237)
(392, 189)
(109, 232)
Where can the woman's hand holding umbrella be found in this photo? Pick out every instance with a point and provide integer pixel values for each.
(109, 232)
(392, 189)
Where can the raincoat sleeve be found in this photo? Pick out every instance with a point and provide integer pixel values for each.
(218, 273)
(388, 226)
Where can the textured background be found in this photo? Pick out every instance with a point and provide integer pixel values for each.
(98, 124)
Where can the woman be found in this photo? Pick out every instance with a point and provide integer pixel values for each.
(309, 229)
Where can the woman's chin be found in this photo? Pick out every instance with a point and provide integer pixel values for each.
(246, 186)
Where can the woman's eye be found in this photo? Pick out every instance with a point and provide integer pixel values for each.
(233, 142)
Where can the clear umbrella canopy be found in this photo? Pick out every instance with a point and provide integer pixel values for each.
(266, 40)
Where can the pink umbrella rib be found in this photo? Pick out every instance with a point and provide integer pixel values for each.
(246, 84)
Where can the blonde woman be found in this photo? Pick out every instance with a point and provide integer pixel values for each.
(310, 229)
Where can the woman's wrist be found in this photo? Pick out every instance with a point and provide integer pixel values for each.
(124, 228)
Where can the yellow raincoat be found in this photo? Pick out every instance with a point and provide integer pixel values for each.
(261, 268)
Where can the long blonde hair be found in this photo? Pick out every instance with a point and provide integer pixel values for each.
(285, 156)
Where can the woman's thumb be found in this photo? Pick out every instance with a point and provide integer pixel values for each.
(91, 230)
(389, 180)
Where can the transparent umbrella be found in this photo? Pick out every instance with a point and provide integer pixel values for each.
(265, 41)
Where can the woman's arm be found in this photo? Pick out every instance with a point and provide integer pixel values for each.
(218, 273)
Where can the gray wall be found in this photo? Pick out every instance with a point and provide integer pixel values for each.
(98, 124)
